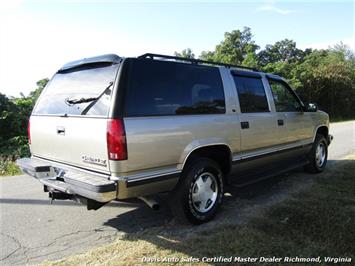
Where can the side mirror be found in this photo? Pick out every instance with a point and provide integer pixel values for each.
(311, 107)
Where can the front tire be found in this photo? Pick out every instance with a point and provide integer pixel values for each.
(318, 155)
(199, 192)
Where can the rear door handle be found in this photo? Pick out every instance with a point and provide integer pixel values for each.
(60, 130)
(280, 122)
(244, 124)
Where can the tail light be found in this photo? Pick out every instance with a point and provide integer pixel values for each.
(29, 132)
(116, 140)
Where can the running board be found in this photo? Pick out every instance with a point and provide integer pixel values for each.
(270, 174)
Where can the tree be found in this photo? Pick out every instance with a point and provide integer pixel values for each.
(186, 53)
(41, 84)
(14, 113)
(281, 51)
(234, 49)
(345, 50)
(328, 78)
(8, 112)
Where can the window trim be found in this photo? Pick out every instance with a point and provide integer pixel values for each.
(124, 87)
(246, 74)
(288, 87)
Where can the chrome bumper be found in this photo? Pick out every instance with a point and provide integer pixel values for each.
(69, 181)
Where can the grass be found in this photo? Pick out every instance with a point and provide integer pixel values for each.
(319, 221)
(9, 168)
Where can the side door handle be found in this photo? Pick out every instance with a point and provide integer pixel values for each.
(61, 131)
(244, 124)
(280, 122)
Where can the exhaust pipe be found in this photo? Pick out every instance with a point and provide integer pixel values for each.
(151, 202)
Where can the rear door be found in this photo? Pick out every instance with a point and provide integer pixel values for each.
(260, 136)
(258, 121)
(69, 121)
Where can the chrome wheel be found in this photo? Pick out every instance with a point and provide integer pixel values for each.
(204, 192)
(320, 154)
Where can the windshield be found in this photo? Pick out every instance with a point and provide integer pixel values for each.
(82, 83)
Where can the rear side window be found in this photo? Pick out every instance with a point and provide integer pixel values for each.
(251, 93)
(167, 88)
(66, 89)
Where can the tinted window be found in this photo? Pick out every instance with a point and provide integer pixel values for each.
(251, 94)
(168, 88)
(89, 82)
(285, 100)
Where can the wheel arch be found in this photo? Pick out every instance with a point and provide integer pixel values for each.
(323, 130)
(217, 152)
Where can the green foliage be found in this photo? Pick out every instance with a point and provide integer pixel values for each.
(14, 148)
(14, 115)
(328, 78)
(281, 51)
(8, 112)
(325, 77)
(234, 49)
(8, 168)
(186, 53)
(15, 112)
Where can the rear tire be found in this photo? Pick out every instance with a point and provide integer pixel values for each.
(199, 192)
(318, 156)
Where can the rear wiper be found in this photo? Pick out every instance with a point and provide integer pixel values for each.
(71, 102)
(106, 91)
(81, 100)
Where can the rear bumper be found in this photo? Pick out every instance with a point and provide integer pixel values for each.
(87, 185)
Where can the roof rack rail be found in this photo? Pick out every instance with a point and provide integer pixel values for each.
(193, 60)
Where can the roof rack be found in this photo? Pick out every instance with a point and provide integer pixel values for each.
(193, 61)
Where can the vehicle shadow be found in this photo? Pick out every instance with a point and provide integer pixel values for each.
(161, 229)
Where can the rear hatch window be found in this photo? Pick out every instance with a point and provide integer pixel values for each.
(69, 122)
(84, 90)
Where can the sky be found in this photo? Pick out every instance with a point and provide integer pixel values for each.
(38, 37)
